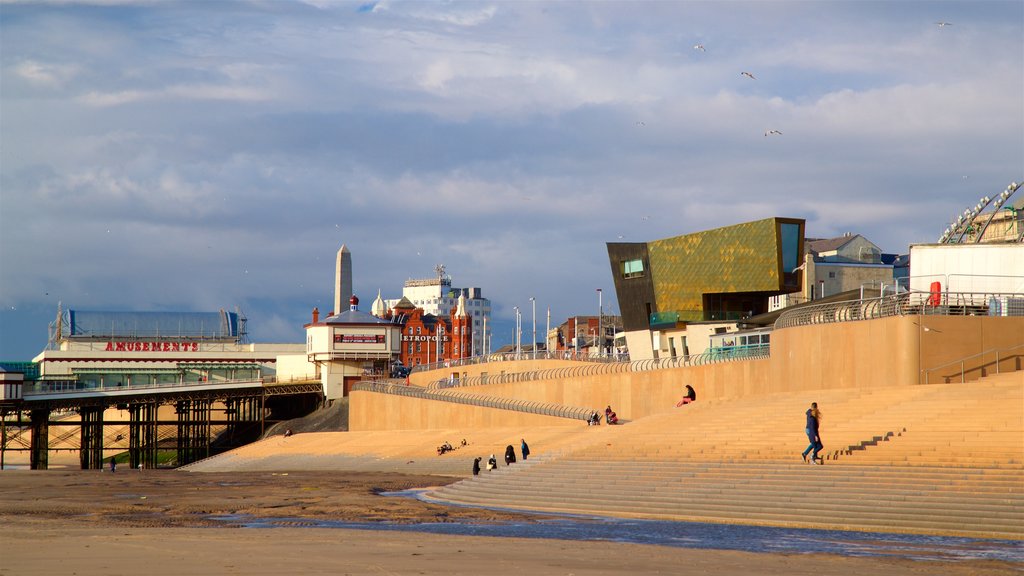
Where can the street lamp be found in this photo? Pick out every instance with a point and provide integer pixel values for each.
(518, 331)
(600, 314)
(533, 303)
(547, 336)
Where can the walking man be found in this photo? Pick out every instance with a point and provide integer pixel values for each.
(813, 422)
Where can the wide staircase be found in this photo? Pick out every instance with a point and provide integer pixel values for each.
(405, 451)
(938, 459)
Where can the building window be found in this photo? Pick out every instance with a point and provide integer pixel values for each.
(831, 274)
(633, 268)
(410, 348)
(419, 330)
(419, 347)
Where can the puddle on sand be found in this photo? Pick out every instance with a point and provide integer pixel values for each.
(759, 539)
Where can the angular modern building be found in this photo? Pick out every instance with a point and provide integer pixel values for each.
(724, 274)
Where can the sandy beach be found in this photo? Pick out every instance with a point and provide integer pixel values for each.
(161, 522)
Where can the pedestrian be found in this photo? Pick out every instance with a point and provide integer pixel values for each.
(690, 396)
(813, 436)
(510, 455)
(492, 463)
(476, 466)
(524, 448)
(113, 464)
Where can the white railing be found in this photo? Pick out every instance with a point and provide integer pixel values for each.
(906, 303)
(71, 387)
(730, 354)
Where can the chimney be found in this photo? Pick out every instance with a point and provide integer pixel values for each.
(316, 315)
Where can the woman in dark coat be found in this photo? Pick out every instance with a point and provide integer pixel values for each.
(524, 448)
(510, 455)
(476, 466)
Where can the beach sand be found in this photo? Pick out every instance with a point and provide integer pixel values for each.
(158, 522)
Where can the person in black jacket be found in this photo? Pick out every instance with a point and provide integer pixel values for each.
(476, 466)
(510, 455)
(813, 435)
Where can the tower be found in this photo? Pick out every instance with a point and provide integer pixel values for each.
(342, 280)
(462, 331)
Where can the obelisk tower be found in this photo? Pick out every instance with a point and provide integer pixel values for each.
(342, 280)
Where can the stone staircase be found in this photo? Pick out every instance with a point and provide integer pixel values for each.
(953, 464)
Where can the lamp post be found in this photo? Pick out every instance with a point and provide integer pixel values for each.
(533, 304)
(516, 335)
(547, 335)
(600, 314)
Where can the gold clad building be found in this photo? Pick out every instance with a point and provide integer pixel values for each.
(724, 275)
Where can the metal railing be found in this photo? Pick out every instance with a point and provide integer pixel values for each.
(1004, 352)
(69, 387)
(593, 369)
(515, 405)
(525, 355)
(903, 304)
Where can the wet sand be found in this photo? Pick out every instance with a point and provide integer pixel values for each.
(159, 522)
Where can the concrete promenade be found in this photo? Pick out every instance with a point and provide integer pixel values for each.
(939, 459)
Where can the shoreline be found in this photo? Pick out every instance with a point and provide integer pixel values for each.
(162, 522)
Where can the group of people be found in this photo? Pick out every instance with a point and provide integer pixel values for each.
(447, 447)
(609, 416)
(510, 457)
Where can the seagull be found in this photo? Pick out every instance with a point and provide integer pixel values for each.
(943, 24)
(748, 75)
(641, 124)
(772, 132)
(699, 47)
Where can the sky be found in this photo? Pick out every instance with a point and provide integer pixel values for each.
(207, 155)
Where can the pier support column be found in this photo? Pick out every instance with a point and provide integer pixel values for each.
(193, 430)
(39, 454)
(92, 437)
(142, 435)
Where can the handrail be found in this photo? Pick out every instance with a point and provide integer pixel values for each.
(902, 304)
(962, 362)
(509, 356)
(589, 369)
(516, 405)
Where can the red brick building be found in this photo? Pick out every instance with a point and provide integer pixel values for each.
(427, 338)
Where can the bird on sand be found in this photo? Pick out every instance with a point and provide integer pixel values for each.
(748, 75)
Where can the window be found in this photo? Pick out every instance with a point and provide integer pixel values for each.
(633, 268)
(831, 274)
(419, 330)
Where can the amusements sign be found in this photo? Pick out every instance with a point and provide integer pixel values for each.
(152, 347)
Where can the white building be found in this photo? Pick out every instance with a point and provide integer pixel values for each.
(437, 296)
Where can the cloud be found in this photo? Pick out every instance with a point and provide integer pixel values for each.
(231, 148)
(46, 75)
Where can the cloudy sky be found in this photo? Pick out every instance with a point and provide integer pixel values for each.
(210, 154)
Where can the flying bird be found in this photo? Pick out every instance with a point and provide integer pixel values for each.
(944, 24)
(772, 132)
(748, 75)
(641, 124)
(699, 47)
